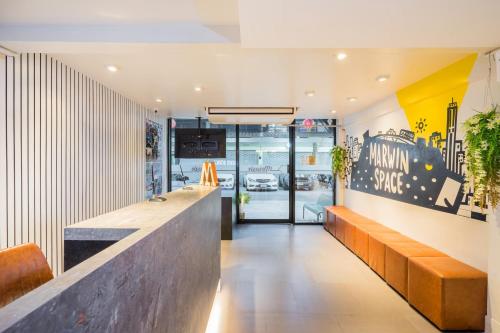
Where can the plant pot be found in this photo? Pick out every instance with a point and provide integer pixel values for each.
(242, 211)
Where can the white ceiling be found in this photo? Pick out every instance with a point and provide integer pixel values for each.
(369, 23)
(234, 76)
(222, 12)
(165, 47)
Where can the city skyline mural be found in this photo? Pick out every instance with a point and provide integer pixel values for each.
(403, 167)
(419, 158)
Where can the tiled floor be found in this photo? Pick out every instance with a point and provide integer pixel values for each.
(279, 278)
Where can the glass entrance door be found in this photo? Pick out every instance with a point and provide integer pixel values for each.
(313, 175)
(264, 180)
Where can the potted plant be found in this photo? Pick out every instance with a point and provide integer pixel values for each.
(482, 157)
(339, 162)
(243, 199)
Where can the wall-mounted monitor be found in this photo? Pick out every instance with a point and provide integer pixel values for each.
(200, 143)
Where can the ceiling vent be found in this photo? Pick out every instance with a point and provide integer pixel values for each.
(251, 115)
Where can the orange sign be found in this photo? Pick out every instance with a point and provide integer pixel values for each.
(209, 174)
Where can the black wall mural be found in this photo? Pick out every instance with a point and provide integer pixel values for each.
(427, 173)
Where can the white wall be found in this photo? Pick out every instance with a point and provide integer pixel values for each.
(494, 272)
(70, 149)
(471, 241)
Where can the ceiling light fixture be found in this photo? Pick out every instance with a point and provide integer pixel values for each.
(382, 78)
(341, 56)
(112, 68)
(310, 93)
(333, 111)
(158, 100)
(352, 99)
(198, 88)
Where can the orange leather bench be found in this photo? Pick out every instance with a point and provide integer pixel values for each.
(449, 293)
(396, 263)
(376, 249)
(329, 224)
(361, 239)
(23, 268)
(342, 222)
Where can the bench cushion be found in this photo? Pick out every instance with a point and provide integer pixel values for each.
(396, 263)
(448, 292)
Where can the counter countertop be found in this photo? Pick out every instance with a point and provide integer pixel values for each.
(145, 216)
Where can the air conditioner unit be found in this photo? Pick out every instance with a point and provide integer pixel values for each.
(251, 115)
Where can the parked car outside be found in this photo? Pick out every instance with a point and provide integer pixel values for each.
(226, 181)
(325, 180)
(304, 183)
(180, 178)
(261, 182)
(285, 181)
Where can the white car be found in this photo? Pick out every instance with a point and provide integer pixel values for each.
(226, 181)
(261, 182)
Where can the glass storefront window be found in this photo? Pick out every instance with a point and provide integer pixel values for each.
(264, 160)
(313, 175)
(264, 166)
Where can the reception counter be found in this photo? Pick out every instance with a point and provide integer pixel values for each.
(149, 267)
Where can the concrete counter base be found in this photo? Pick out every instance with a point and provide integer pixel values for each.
(160, 278)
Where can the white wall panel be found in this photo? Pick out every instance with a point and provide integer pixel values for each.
(70, 149)
(3, 152)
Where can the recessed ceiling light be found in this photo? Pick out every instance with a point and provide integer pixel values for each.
(198, 88)
(333, 111)
(352, 99)
(341, 56)
(382, 78)
(112, 68)
(158, 100)
(310, 93)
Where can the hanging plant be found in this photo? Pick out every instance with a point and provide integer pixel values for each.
(482, 139)
(339, 161)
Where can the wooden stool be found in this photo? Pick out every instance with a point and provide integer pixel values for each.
(396, 263)
(23, 268)
(448, 292)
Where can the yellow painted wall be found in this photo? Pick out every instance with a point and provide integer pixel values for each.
(425, 102)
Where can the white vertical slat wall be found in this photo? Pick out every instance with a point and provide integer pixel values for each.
(70, 149)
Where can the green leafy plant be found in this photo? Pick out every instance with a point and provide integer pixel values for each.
(244, 198)
(482, 158)
(339, 161)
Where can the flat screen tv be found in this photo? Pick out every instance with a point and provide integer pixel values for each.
(200, 143)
